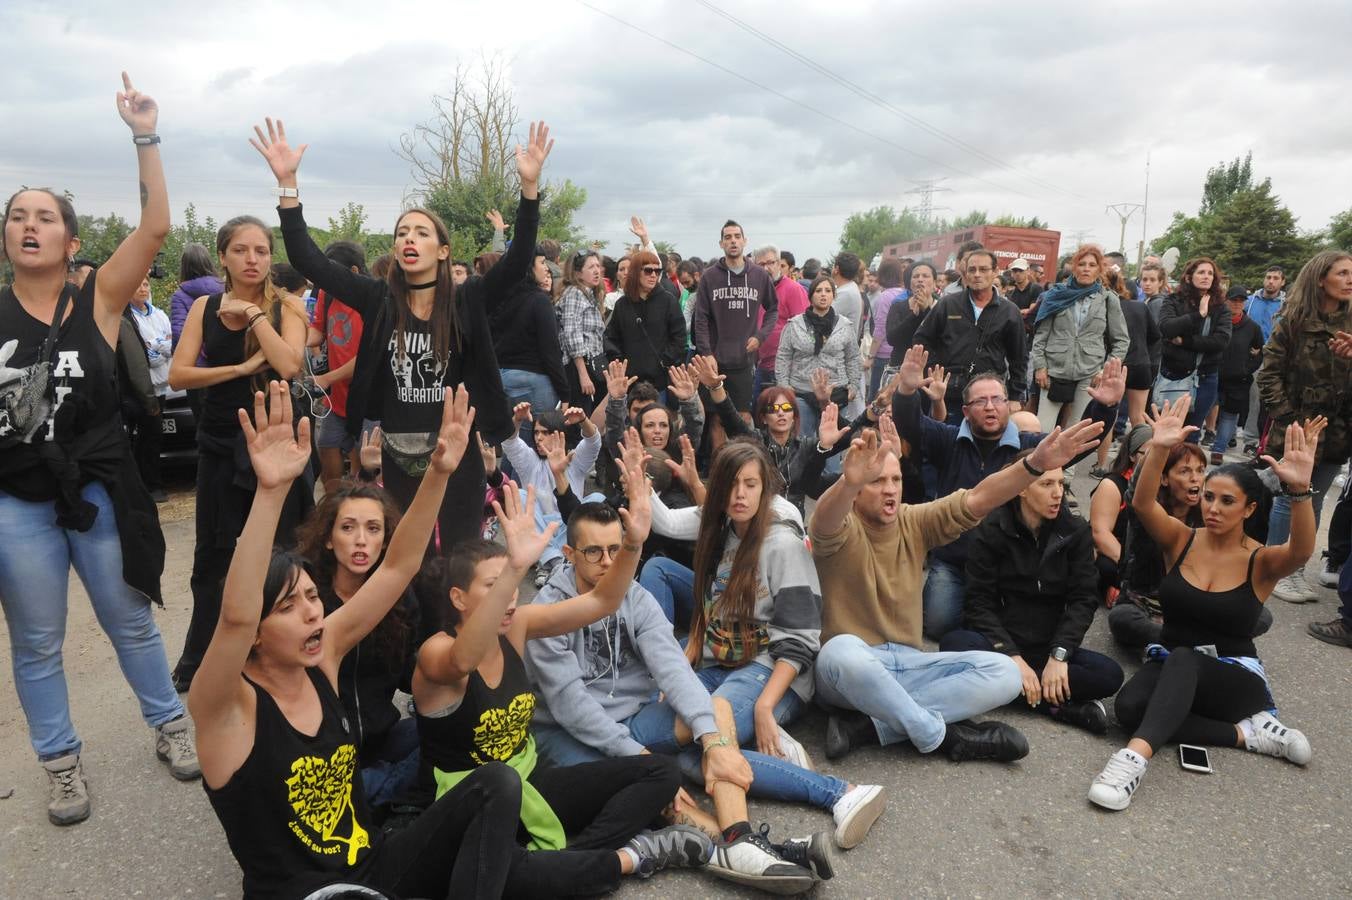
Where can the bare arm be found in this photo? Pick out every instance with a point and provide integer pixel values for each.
(1103, 510)
(184, 372)
(1169, 431)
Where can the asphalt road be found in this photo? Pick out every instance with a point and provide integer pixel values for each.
(1256, 827)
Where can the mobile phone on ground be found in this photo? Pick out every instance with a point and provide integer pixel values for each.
(1194, 759)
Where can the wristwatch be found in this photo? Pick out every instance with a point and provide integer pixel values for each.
(1060, 653)
(287, 192)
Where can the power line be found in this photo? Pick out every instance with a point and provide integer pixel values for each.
(883, 103)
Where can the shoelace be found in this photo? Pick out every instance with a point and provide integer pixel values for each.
(1118, 769)
(180, 741)
(65, 779)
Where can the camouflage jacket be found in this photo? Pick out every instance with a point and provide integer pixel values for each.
(1301, 377)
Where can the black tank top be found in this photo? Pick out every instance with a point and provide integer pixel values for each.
(221, 402)
(85, 413)
(296, 808)
(1194, 617)
(490, 724)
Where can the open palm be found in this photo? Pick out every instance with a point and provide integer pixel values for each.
(516, 524)
(530, 159)
(278, 453)
(1298, 452)
(283, 159)
(457, 419)
(1167, 423)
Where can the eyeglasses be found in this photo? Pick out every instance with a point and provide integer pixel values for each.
(652, 270)
(780, 407)
(593, 554)
(983, 402)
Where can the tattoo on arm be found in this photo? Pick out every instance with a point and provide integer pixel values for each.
(145, 195)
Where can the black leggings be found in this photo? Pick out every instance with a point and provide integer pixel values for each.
(461, 516)
(1190, 698)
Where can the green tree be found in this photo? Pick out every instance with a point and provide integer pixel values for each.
(865, 234)
(970, 220)
(1340, 231)
(100, 236)
(1010, 220)
(1226, 180)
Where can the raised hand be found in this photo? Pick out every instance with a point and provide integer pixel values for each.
(554, 445)
(887, 430)
(522, 413)
(865, 459)
(935, 384)
(278, 452)
(686, 470)
(821, 385)
(516, 524)
(1061, 446)
(457, 420)
(1167, 422)
(1111, 383)
(1298, 452)
(283, 159)
(138, 110)
(639, 230)
(829, 431)
(530, 159)
(706, 370)
(638, 516)
(369, 456)
(573, 415)
(911, 374)
(487, 453)
(618, 381)
(496, 219)
(633, 455)
(681, 383)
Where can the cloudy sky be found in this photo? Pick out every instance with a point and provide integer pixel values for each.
(786, 115)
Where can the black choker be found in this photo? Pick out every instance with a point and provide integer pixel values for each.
(423, 286)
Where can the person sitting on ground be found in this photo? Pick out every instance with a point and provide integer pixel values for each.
(532, 470)
(278, 760)
(628, 401)
(598, 684)
(963, 455)
(475, 706)
(1109, 512)
(1030, 595)
(869, 549)
(1203, 682)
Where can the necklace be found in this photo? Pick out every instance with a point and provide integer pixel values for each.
(424, 286)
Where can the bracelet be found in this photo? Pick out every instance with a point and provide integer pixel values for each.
(1036, 473)
(1297, 495)
(254, 318)
(145, 140)
(721, 742)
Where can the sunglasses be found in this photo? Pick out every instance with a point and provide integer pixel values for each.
(652, 270)
(780, 407)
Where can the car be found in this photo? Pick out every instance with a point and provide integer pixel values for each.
(178, 424)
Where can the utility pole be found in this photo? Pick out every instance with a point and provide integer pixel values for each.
(927, 188)
(1145, 213)
(1124, 211)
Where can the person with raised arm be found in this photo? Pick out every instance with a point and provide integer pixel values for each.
(279, 760)
(69, 489)
(1203, 682)
(585, 825)
(870, 549)
(421, 332)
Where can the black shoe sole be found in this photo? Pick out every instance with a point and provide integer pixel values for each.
(799, 882)
(1327, 639)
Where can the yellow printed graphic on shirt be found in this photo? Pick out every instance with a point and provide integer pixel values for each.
(321, 794)
(501, 732)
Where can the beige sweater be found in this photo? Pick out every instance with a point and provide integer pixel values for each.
(871, 578)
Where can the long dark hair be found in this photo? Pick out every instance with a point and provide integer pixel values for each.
(737, 604)
(1256, 525)
(445, 324)
(1189, 292)
(196, 262)
(63, 205)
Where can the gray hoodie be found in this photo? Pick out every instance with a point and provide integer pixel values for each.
(588, 693)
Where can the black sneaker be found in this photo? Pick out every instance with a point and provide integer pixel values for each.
(984, 740)
(847, 729)
(753, 861)
(1335, 632)
(1088, 714)
(812, 853)
(1208, 436)
(676, 846)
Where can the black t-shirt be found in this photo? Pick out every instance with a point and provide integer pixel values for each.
(85, 405)
(412, 382)
(295, 812)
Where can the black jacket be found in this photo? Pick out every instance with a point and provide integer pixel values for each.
(649, 333)
(526, 334)
(475, 364)
(1030, 594)
(1145, 345)
(1240, 361)
(1179, 318)
(966, 346)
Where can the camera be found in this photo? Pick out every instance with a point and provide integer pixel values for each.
(156, 270)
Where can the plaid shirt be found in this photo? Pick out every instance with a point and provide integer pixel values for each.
(581, 328)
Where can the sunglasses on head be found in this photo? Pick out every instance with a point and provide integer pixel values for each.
(780, 407)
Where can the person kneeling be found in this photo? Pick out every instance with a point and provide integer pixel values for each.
(1031, 595)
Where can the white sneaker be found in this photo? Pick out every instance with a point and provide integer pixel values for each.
(855, 813)
(1272, 738)
(794, 752)
(751, 861)
(1328, 573)
(1113, 787)
(1294, 589)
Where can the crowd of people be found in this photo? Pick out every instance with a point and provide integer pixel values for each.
(744, 487)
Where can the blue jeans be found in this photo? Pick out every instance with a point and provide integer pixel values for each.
(521, 387)
(1203, 398)
(554, 549)
(945, 589)
(35, 560)
(911, 694)
(763, 379)
(672, 585)
(1279, 520)
(654, 726)
(392, 770)
(1226, 426)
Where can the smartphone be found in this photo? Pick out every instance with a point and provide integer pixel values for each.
(1194, 759)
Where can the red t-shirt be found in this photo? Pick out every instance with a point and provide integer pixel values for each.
(341, 326)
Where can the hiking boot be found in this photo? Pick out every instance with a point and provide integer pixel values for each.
(984, 740)
(812, 853)
(753, 861)
(174, 745)
(1217, 459)
(1087, 714)
(847, 729)
(794, 752)
(676, 846)
(1113, 787)
(1294, 589)
(1329, 571)
(1272, 738)
(1208, 436)
(855, 812)
(70, 790)
(1335, 632)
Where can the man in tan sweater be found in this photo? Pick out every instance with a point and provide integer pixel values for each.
(870, 553)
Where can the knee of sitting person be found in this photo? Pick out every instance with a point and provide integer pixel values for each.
(498, 780)
(1130, 708)
(1005, 675)
(838, 655)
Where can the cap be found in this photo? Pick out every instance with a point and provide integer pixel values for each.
(1237, 292)
(555, 271)
(1019, 265)
(1138, 437)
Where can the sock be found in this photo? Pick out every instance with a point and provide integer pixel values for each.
(633, 856)
(736, 830)
(1136, 757)
(1246, 726)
